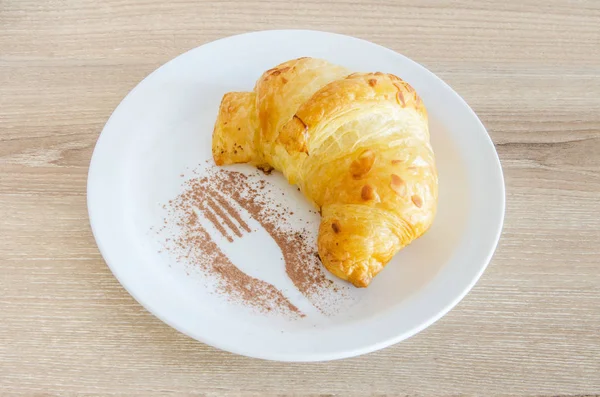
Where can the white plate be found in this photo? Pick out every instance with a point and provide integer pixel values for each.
(163, 129)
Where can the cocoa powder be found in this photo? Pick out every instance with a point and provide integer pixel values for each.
(297, 244)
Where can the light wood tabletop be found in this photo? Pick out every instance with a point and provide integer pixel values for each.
(531, 326)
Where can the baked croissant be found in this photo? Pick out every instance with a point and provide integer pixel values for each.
(357, 145)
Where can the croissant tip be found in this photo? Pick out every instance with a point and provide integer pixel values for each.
(360, 283)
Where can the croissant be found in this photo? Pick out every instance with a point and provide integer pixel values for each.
(357, 145)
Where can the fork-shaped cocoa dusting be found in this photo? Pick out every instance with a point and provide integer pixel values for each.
(211, 194)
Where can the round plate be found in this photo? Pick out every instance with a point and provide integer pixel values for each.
(163, 128)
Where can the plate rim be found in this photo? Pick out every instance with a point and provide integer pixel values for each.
(305, 357)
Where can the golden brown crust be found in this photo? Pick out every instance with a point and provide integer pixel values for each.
(357, 145)
(234, 132)
(280, 91)
(357, 90)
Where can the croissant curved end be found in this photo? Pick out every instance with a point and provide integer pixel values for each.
(353, 251)
(235, 129)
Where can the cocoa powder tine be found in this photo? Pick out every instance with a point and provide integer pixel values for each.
(233, 213)
(221, 214)
(213, 219)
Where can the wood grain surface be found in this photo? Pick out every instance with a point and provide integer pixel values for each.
(531, 326)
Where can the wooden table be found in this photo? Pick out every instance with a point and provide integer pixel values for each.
(531, 326)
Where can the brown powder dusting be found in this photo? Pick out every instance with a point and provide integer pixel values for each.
(211, 216)
(234, 214)
(221, 214)
(193, 246)
(305, 271)
(236, 284)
